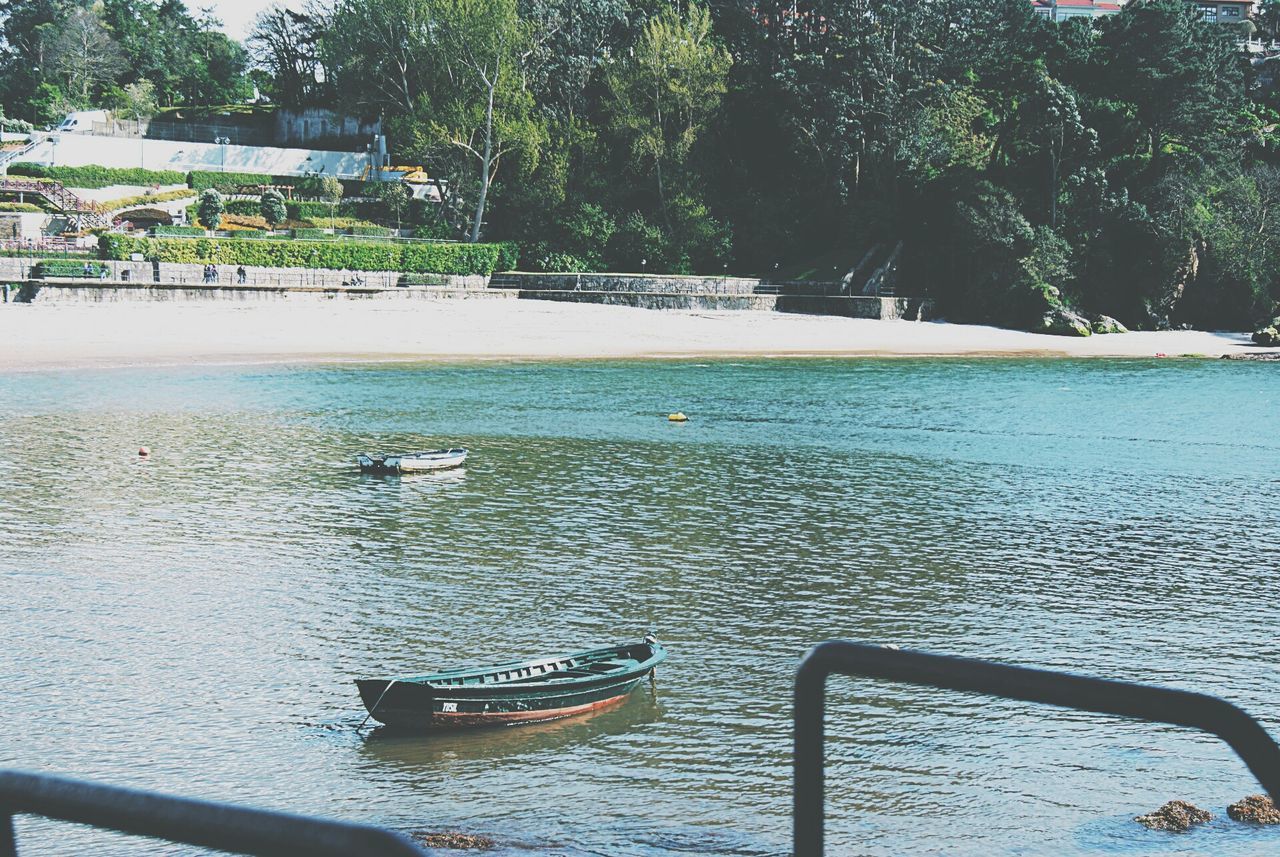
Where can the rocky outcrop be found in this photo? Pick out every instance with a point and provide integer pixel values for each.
(1061, 321)
(1176, 815)
(1268, 334)
(1107, 324)
(456, 841)
(1258, 809)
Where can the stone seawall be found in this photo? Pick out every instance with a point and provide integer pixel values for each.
(883, 309)
(649, 291)
(73, 291)
(657, 300)
(615, 283)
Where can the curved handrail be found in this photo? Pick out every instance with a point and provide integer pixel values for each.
(218, 826)
(1144, 702)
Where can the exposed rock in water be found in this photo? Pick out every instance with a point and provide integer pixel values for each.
(457, 841)
(1061, 321)
(1273, 356)
(1176, 815)
(1259, 809)
(1107, 324)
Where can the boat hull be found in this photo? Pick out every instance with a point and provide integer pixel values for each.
(506, 694)
(416, 710)
(419, 462)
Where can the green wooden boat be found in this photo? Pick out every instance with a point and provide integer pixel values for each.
(524, 692)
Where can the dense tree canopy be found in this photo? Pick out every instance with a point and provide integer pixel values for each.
(1124, 165)
(57, 55)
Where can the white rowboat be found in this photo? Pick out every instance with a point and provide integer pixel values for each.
(413, 462)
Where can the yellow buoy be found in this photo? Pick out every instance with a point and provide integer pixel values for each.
(678, 417)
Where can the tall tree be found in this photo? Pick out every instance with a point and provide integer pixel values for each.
(663, 96)
(85, 55)
(286, 44)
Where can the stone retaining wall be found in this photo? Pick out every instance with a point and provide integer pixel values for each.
(657, 300)
(78, 291)
(614, 283)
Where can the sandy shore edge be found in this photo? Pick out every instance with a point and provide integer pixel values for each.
(72, 336)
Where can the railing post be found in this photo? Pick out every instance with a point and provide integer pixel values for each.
(809, 799)
(8, 835)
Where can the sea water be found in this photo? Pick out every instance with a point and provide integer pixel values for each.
(191, 623)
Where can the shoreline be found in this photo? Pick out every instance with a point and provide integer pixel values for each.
(40, 337)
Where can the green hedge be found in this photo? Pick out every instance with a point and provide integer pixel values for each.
(65, 268)
(333, 255)
(321, 210)
(92, 177)
(203, 180)
(166, 231)
(23, 207)
(371, 231)
(250, 234)
(243, 207)
(311, 233)
(508, 256)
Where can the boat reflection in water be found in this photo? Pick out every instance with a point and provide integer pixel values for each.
(416, 750)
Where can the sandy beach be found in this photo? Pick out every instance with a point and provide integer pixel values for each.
(51, 336)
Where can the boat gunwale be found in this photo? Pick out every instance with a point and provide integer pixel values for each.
(658, 655)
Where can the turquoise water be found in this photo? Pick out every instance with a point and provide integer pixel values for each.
(192, 623)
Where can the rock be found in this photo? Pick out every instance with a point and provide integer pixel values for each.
(1271, 356)
(1176, 815)
(1268, 336)
(1061, 321)
(1259, 809)
(1107, 324)
(456, 841)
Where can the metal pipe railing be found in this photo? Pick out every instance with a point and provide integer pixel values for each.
(1143, 702)
(205, 824)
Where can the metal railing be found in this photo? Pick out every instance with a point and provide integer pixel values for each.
(219, 826)
(1101, 696)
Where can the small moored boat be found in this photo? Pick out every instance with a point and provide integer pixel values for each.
(524, 692)
(412, 462)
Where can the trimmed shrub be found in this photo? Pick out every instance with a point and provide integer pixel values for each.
(210, 208)
(244, 207)
(317, 210)
(144, 199)
(66, 268)
(312, 233)
(373, 231)
(93, 177)
(273, 208)
(333, 255)
(436, 230)
(508, 256)
(251, 234)
(23, 207)
(226, 182)
(166, 231)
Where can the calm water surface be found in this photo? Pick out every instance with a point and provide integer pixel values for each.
(192, 624)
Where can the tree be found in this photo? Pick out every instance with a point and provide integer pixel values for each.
(85, 55)
(286, 44)
(663, 96)
(394, 199)
(138, 100)
(329, 189)
(209, 209)
(272, 207)
(1181, 75)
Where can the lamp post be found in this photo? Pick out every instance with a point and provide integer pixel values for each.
(223, 141)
